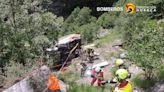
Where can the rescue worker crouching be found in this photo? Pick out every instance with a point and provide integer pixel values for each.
(97, 74)
(53, 83)
(90, 55)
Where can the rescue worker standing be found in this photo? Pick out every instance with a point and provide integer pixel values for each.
(97, 74)
(53, 83)
(122, 85)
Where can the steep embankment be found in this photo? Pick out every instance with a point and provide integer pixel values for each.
(108, 48)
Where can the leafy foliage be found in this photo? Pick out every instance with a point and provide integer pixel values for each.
(25, 29)
(80, 21)
(106, 20)
(145, 46)
(83, 88)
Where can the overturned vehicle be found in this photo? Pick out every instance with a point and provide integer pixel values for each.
(69, 44)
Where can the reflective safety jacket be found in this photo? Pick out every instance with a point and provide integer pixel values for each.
(124, 88)
(53, 82)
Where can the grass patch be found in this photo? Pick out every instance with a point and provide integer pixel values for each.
(110, 37)
(69, 77)
(87, 88)
(142, 83)
(160, 73)
(83, 88)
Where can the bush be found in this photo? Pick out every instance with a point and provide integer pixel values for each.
(81, 21)
(145, 47)
(83, 88)
(26, 30)
(106, 20)
(142, 83)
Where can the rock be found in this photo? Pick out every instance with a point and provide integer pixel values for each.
(63, 86)
(135, 89)
(135, 70)
(158, 87)
(123, 55)
(22, 86)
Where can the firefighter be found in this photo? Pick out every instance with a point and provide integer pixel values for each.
(123, 84)
(53, 83)
(83, 69)
(120, 64)
(90, 54)
(97, 74)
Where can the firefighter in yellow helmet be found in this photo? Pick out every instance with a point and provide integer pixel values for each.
(120, 64)
(123, 85)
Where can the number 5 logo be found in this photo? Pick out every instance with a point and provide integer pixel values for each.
(130, 8)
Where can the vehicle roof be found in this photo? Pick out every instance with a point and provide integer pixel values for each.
(68, 38)
(90, 46)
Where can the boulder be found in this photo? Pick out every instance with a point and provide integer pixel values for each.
(158, 87)
(34, 83)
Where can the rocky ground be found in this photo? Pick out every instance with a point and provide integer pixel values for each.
(107, 52)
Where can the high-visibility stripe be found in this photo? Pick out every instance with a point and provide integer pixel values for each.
(126, 88)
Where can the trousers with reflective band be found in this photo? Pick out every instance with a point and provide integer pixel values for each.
(126, 88)
(53, 82)
(98, 77)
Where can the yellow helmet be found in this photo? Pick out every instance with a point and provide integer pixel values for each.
(119, 62)
(122, 73)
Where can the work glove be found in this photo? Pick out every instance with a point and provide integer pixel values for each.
(108, 81)
(92, 76)
(103, 82)
(129, 75)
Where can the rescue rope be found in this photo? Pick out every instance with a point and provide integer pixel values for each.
(68, 57)
(65, 62)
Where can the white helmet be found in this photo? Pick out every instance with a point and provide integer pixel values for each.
(97, 69)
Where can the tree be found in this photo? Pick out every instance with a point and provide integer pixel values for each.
(145, 46)
(106, 20)
(81, 21)
(26, 28)
(159, 14)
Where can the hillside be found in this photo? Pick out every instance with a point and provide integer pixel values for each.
(29, 27)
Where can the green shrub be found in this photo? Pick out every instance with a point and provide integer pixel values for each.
(145, 46)
(106, 20)
(142, 83)
(113, 34)
(83, 88)
(70, 76)
(81, 21)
